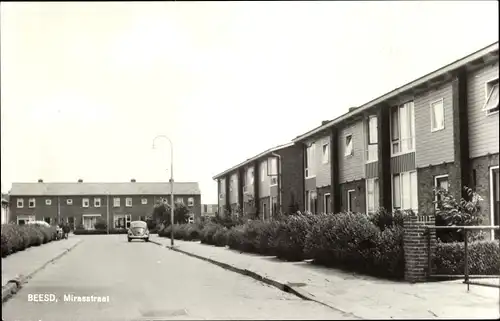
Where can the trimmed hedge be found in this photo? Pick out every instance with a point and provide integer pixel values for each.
(484, 258)
(16, 238)
(99, 232)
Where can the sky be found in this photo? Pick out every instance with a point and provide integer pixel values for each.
(85, 87)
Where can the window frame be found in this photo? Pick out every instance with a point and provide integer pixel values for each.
(412, 193)
(20, 201)
(345, 145)
(432, 104)
(410, 127)
(325, 206)
(309, 155)
(376, 194)
(32, 199)
(85, 200)
(436, 179)
(95, 203)
(190, 201)
(487, 94)
(69, 201)
(144, 201)
(325, 153)
(116, 201)
(48, 201)
(349, 204)
(128, 202)
(369, 144)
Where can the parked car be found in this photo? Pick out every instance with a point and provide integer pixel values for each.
(45, 224)
(138, 230)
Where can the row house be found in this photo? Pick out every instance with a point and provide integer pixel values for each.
(263, 185)
(440, 130)
(82, 204)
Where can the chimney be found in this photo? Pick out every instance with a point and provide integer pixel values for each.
(133, 180)
(352, 108)
(80, 180)
(40, 180)
(324, 122)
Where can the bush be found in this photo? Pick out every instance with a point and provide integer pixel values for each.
(484, 258)
(383, 219)
(101, 224)
(16, 238)
(220, 237)
(208, 232)
(193, 232)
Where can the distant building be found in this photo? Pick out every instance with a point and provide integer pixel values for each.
(5, 209)
(208, 209)
(82, 204)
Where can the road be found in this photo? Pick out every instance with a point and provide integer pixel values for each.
(145, 281)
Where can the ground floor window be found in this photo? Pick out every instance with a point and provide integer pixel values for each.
(440, 183)
(48, 220)
(495, 199)
(327, 203)
(404, 191)
(372, 195)
(121, 221)
(23, 219)
(71, 222)
(274, 206)
(311, 201)
(89, 221)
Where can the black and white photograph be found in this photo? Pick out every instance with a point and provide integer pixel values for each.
(249, 160)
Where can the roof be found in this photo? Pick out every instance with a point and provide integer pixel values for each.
(435, 74)
(127, 188)
(274, 149)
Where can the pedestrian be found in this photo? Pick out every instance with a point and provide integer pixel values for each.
(66, 230)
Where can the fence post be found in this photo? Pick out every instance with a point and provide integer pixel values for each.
(418, 247)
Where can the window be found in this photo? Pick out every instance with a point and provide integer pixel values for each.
(69, 201)
(309, 161)
(350, 200)
(71, 222)
(142, 218)
(20, 203)
(437, 115)
(97, 202)
(440, 182)
(248, 179)
(273, 163)
(326, 153)
(274, 206)
(327, 203)
(403, 128)
(48, 202)
(372, 132)
(116, 202)
(491, 104)
(128, 202)
(179, 200)
(372, 195)
(89, 221)
(48, 220)
(405, 194)
(263, 167)
(31, 203)
(191, 201)
(144, 201)
(348, 145)
(311, 198)
(120, 221)
(85, 202)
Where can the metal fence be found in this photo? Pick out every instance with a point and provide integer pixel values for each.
(467, 276)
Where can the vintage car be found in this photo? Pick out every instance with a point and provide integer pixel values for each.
(138, 230)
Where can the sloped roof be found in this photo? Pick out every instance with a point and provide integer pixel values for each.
(127, 188)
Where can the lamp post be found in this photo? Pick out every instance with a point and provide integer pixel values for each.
(171, 184)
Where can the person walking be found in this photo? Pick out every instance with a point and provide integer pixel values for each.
(66, 230)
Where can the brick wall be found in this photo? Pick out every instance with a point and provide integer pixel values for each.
(359, 202)
(292, 176)
(321, 197)
(426, 177)
(481, 167)
(416, 246)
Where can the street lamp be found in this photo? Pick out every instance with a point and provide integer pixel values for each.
(171, 184)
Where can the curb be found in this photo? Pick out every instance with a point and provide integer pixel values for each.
(304, 295)
(14, 285)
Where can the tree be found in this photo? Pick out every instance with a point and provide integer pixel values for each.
(161, 213)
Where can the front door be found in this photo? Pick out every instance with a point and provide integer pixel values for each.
(495, 198)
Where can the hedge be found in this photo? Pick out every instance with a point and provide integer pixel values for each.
(484, 258)
(16, 238)
(99, 232)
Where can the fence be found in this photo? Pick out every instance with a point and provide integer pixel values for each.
(467, 277)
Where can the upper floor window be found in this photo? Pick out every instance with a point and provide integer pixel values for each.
(309, 160)
(144, 201)
(116, 202)
(20, 203)
(48, 201)
(491, 104)
(69, 201)
(437, 115)
(191, 201)
(31, 203)
(372, 139)
(403, 128)
(85, 202)
(128, 202)
(97, 202)
(326, 153)
(273, 163)
(179, 200)
(348, 148)
(263, 168)
(249, 176)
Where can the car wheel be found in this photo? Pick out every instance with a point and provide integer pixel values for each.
(129, 239)
(147, 240)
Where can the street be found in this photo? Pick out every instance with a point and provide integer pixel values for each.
(145, 281)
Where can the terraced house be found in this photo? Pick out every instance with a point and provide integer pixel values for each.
(263, 185)
(440, 130)
(82, 203)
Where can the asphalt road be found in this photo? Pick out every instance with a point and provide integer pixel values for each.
(147, 282)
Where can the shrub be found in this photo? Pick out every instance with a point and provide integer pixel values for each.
(208, 232)
(101, 224)
(484, 258)
(19, 237)
(220, 237)
(383, 219)
(192, 232)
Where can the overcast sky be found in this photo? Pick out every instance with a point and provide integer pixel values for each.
(85, 87)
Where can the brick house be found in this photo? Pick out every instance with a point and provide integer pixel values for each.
(5, 210)
(82, 203)
(439, 130)
(264, 184)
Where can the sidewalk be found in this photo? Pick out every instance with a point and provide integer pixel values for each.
(29, 261)
(362, 296)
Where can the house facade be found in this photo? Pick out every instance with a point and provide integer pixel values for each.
(263, 185)
(81, 204)
(441, 130)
